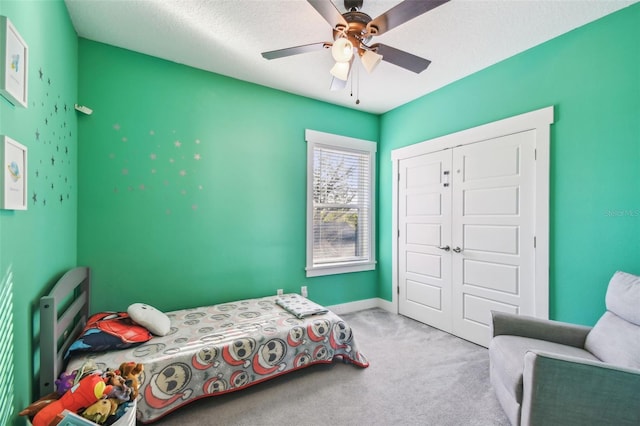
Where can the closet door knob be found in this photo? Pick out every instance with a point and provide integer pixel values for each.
(457, 249)
(445, 248)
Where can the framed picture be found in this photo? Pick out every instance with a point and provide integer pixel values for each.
(14, 55)
(14, 174)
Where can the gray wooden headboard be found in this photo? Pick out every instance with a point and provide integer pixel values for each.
(63, 314)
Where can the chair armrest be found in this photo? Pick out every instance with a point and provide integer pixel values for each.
(560, 389)
(536, 328)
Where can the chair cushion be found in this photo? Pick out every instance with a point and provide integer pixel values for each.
(506, 353)
(623, 296)
(615, 341)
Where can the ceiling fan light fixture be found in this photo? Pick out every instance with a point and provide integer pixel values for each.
(341, 70)
(342, 50)
(370, 60)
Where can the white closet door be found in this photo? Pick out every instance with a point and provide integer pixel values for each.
(493, 213)
(424, 225)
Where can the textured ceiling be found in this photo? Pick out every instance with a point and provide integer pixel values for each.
(227, 37)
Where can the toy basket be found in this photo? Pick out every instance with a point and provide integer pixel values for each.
(72, 419)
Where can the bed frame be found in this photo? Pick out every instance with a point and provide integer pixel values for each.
(63, 314)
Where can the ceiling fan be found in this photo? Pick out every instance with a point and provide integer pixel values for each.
(353, 32)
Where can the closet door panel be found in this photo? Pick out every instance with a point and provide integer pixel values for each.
(493, 202)
(424, 224)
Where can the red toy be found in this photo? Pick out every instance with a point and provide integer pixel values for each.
(86, 392)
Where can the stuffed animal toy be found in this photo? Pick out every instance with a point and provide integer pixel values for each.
(121, 390)
(38, 405)
(113, 378)
(65, 382)
(85, 393)
(101, 410)
(131, 372)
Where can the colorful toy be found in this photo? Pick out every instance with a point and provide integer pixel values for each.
(38, 405)
(121, 390)
(100, 410)
(65, 382)
(89, 390)
(131, 372)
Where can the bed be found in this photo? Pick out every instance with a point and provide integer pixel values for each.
(209, 350)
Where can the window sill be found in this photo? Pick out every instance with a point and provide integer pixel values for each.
(339, 268)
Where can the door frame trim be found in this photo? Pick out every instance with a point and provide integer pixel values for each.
(538, 120)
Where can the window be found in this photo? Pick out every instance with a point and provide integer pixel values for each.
(340, 204)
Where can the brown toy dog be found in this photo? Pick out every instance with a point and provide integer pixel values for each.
(131, 372)
(38, 405)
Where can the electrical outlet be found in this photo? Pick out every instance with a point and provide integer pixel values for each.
(303, 291)
(280, 292)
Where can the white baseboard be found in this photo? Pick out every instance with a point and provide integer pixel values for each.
(360, 305)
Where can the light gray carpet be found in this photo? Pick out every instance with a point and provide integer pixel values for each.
(418, 376)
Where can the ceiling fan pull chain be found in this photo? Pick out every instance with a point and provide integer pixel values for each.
(351, 85)
(357, 84)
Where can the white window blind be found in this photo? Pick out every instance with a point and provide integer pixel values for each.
(340, 204)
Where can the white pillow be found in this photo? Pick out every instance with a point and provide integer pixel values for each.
(150, 318)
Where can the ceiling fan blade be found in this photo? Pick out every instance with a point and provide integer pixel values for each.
(296, 50)
(401, 13)
(337, 84)
(329, 12)
(401, 58)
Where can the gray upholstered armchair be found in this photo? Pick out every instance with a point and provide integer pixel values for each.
(551, 373)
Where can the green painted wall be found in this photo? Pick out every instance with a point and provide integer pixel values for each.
(39, 244)
(107, 191)
(192, 185)
(592, 77)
